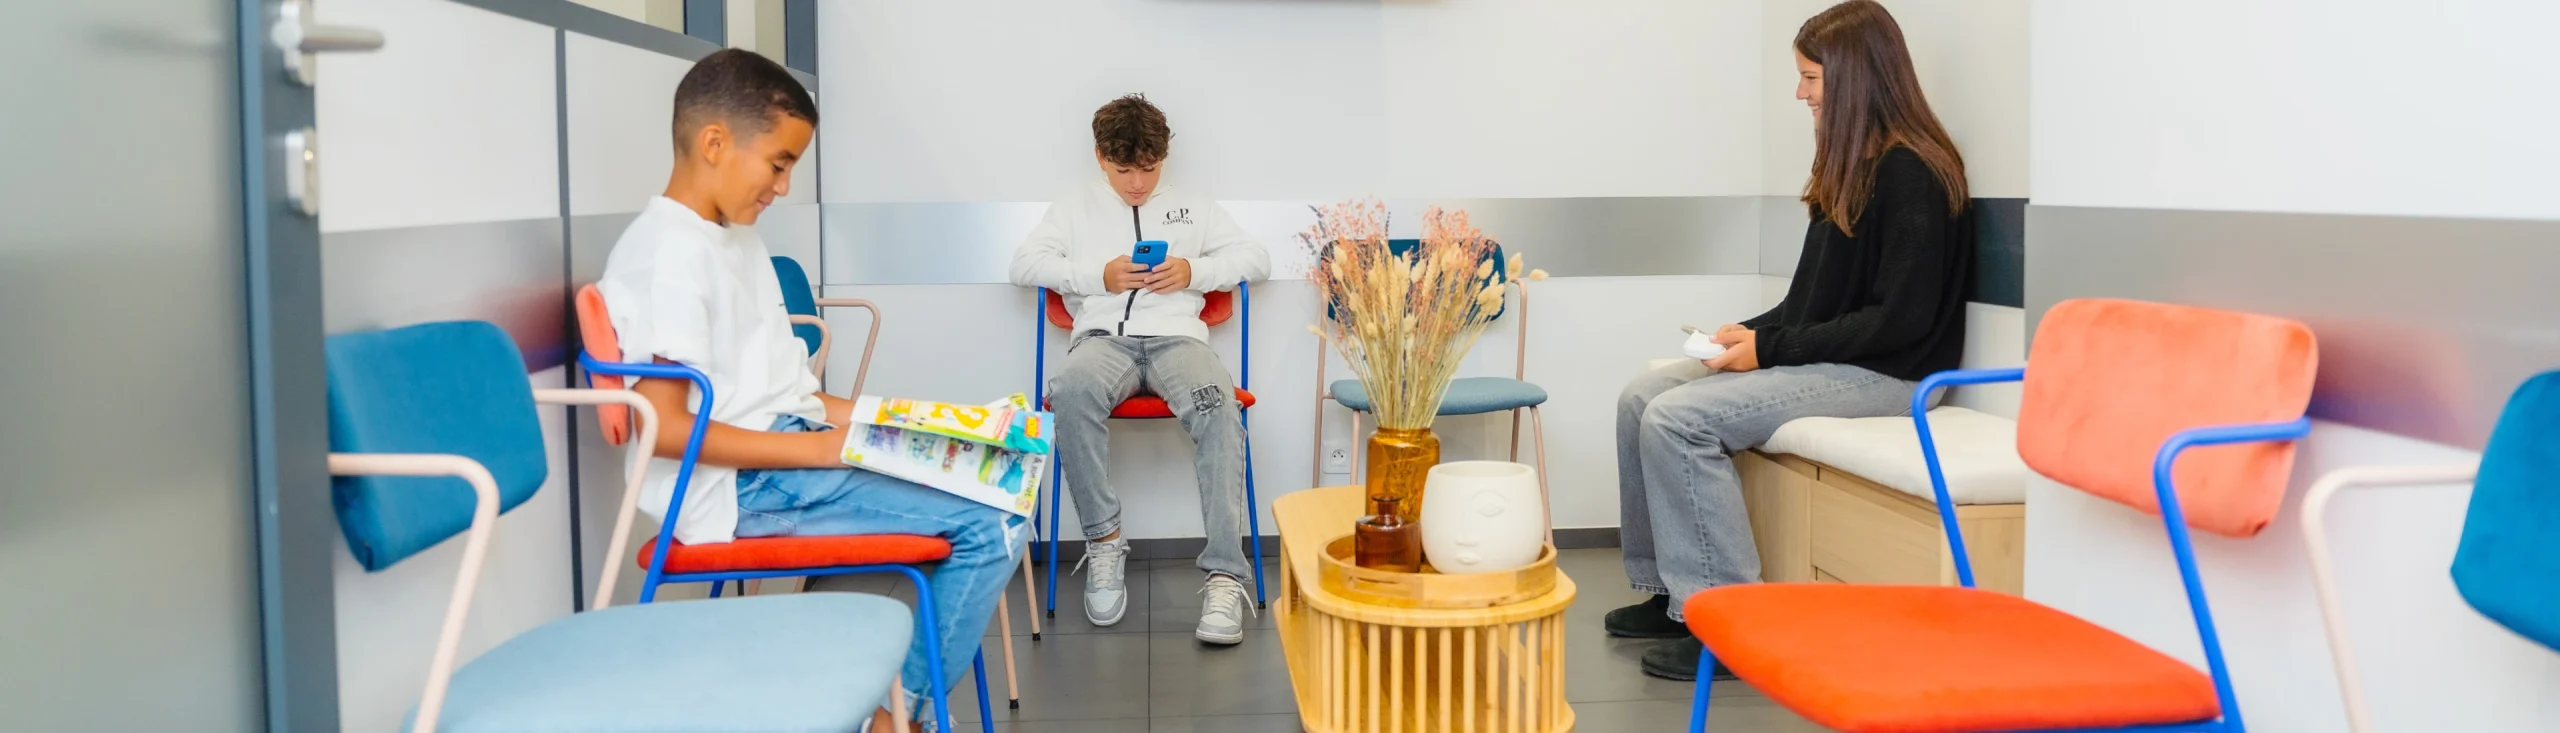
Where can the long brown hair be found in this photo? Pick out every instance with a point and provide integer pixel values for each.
(1870, 102)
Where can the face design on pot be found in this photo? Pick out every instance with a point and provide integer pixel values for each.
(1488, 504)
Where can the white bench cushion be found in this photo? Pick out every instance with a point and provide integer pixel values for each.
(1979, 452)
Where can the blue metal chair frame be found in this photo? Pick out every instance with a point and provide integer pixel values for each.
(2170, 515)
(1244, 381)
(927, 632)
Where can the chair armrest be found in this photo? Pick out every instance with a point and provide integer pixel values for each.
(864, 371)
(692, 443)
(1929, 452)
(826, 343)
(475, 551)
(633, 477)
(2315, 542)
(2164, 485)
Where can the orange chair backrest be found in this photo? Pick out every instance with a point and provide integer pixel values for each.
(1215, 308)
(595, 332)
(2109, 381)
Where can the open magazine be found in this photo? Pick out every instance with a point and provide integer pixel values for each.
(996, 454)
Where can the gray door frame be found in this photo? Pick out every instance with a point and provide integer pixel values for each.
(288, 403)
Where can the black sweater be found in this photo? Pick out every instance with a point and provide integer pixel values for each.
(1891, 298)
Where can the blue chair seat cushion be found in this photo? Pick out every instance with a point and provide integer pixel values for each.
(1466, 396)
(797, 662)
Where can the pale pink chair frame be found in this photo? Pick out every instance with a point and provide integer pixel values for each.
(1519, 371)
(2324, 576)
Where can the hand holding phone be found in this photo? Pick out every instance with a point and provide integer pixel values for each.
(1122, 275)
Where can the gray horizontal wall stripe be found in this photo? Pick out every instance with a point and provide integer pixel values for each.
(909, 244)
(580, 19)
(2425, 325)
(1999, 245)
(506, 273)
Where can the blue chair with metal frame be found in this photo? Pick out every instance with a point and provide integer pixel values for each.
(434, 430)
(1465, 396)
(1215, 309)
(2508, 563)
(2116, 392)
(757, 558)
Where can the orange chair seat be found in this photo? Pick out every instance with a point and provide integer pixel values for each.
(1917, 659)
(790, 553)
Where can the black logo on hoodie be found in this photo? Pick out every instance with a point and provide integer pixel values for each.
(1177, 216)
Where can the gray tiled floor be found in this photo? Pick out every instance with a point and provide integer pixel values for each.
(1147, 675)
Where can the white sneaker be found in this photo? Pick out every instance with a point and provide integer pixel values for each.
(1106, 581)
(1222, 611)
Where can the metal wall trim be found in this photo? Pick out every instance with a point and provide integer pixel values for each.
(573, 17)
(971, 243)
(2425, 324)
(507, 273)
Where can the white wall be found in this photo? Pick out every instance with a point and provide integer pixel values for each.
(2344, 107)
(987, 101)
(2350, 107)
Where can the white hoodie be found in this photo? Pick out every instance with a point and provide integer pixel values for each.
(1091, 227)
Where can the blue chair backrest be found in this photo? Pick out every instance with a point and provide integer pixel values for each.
(457, 388)
(2508, 565)
(799, 299)
(1405, 247)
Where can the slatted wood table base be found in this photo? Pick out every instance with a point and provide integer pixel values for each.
(1365, 668)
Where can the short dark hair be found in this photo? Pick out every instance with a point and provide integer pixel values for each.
(742, 89)
(1130, 131)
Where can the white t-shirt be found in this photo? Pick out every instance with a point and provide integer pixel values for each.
(703, 295)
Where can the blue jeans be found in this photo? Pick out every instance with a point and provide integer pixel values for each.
(843, 501)
(1100, 372)
(1682, 526)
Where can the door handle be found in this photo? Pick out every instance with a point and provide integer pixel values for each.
(300, 40)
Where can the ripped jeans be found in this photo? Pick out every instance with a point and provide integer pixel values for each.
(1100, 372)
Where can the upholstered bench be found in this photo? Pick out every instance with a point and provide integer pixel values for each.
(1843, 500)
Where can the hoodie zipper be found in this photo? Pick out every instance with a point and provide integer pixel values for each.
(1132, 308)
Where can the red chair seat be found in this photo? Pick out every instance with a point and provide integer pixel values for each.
(1916, 659)
(791, 553)
(1151, 407)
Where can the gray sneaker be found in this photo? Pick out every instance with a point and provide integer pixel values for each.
(1222, 610)
(1106, 581)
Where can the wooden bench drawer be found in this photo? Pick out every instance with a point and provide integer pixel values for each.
(1861, 539)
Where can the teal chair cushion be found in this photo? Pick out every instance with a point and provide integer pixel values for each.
(456, 387)
(1466, 396)
(798, 299)
(2508, 565)
(816, 662)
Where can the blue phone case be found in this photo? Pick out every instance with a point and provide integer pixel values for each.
(1149, 253)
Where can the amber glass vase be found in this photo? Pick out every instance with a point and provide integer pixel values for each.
(1389, 537)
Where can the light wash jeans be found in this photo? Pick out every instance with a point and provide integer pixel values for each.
(842, 501)
(1100, 371)
(1682, 527)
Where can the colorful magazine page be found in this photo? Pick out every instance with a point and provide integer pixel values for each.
(1010, 422)
(991, 475)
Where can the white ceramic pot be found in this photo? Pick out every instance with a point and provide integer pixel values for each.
(1482, 517)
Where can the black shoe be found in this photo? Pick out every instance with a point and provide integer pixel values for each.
(1648, 620)
(1678, 661)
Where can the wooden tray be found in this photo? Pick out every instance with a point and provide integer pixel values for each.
(1430, 588)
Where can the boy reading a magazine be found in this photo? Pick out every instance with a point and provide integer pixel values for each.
(690, 283)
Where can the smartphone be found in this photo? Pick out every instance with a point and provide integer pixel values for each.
(1149, 253)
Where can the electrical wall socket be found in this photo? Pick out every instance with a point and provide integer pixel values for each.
(1337, 460)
